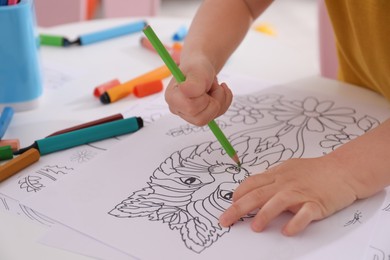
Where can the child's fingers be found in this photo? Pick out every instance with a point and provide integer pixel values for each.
(202, 117)
(307, 213)
(254, 182)
(279, 203)
(249, 202)
(223, 95)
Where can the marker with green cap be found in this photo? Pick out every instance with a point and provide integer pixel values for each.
(6, 153)
(179, 76)
(54, 40)
(93, 37)
(85, 135)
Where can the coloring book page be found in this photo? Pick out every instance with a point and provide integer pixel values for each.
(379, 248)
(165, 187)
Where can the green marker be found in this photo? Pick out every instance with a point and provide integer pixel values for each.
(179, 76)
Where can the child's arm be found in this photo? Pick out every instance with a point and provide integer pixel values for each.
(315, 188)
(216, 31)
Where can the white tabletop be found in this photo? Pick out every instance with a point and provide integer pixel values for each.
(72, 73)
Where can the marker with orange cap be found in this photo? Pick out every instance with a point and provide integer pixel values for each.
(127, 88)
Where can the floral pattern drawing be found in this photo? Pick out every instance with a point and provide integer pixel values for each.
(194, 185)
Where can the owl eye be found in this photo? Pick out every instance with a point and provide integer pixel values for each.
(190, 180)
(233, 169)
(226, 194)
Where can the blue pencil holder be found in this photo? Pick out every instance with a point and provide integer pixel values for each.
(20, 71)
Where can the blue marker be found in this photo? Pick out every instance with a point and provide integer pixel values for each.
(5, 119)
(91, 134)
(3, 2)
(89, 38)
(180, 34)
(111, 33)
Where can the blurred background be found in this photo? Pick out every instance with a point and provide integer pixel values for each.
(302, 24)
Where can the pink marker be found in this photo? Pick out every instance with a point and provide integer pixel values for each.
(12, 2)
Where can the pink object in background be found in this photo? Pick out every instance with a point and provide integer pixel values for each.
(327, 43)
(130, 8)
(56, 12)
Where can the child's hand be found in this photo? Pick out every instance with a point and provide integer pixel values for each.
(200, 98)
(312, 189)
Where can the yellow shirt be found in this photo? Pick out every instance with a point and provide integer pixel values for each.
(362, 32)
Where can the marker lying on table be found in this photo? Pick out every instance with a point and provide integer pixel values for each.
(18, 163)
(89, 38)
(89, 124)
(179, 76)
(85, 135)
(125, 89)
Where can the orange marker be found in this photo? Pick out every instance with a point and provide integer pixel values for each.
(99, 90)
(14, 143)
(127, 88)
(18, 163)
(148, 88)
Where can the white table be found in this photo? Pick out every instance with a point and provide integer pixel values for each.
(71, 101)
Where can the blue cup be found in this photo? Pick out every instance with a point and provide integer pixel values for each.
(20, 71)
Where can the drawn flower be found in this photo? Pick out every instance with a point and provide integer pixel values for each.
(335, 140)
(82, 156)
(267, 99)
(314, 115)
(248, 115)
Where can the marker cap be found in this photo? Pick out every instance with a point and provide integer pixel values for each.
(148, 88)
(180, 34)
(99, 90)
(6, 153)
(51, 40)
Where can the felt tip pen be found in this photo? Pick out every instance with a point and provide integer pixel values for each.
(5, 119)
(179, 76)
(89, 124)
(85, 135)
(127, 88)
(89, 38)
(18, 163)
(112, 32)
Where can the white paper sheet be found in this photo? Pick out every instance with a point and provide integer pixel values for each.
(379, 247)
(68, 239)
(158, 194)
